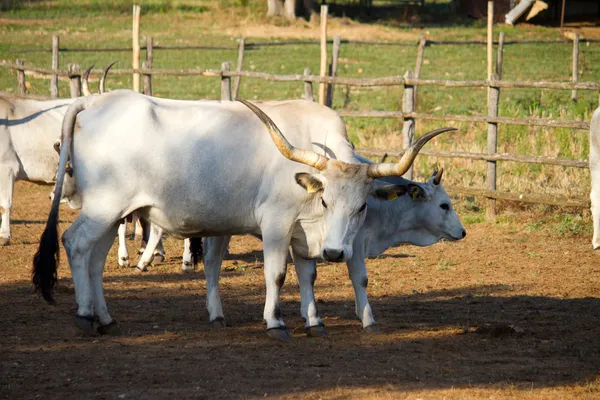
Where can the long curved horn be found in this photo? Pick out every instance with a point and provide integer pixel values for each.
(307, 157)
(400, 168)
(102, 84)
(438, 176)
(85, 87)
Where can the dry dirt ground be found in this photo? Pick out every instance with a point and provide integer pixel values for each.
(508, 312)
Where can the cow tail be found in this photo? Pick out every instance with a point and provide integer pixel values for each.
(45, 262)
(196, 250)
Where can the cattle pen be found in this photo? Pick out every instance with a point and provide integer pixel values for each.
(408, 114)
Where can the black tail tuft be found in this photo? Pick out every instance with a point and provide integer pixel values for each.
(45, 262)
(196, 249)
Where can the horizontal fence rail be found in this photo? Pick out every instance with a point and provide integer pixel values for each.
(561, 201)
(359, 82)
(468, 118)
(250, 45)
(564, 162)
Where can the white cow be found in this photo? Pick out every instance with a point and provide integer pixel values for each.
(595, 174)
(29, 131)
(200, 168)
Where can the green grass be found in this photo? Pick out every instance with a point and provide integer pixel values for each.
(94, 23)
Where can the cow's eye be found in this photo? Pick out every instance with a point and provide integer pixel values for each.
(445, 206)
(363, 208)
(323, 202)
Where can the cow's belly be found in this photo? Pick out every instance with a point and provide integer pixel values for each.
(200, 221)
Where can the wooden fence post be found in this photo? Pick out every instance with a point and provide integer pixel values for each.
(225, 82)
(408, 107)
(54, 78)
(21, 78)
(492, 147)
(308, 89)
(148, 65)
(135, 32)
(500, 55)
(74, 80)
(575, 65)
(490, 41)
(419, 63)
(238, 68)
(323, 70)
(335, 55)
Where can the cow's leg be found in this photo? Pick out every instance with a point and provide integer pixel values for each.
(214, 251)
(159, 249)
(80, 240)
(149, 251)
(358, 274)
(96, 269)
(275, 247)
(186, 264)
(156, 248)
(146, 231)
(307, 274)
(7, 183)
(123, 254)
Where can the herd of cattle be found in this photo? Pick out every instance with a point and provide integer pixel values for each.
(281, 170)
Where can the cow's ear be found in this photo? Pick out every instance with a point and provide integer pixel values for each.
(416, 192)
(311, 183)
(57, 146)
(389, 192)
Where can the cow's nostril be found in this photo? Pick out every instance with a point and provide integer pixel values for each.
(333, 255)
(464, 233)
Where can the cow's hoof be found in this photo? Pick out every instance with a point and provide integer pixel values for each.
(316, 331)
(218, 323)
(158, 258)
(86, 324)
(281, 334)
(110, 329)
(371, 329)
(187, 267)
(142, 268)
(124, 262)
(4, 241)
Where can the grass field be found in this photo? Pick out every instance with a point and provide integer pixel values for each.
(93, 23)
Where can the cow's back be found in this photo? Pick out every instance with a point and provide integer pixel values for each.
(29, 131)
(182, 155)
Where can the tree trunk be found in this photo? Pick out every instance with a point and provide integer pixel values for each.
(274, 7)
(290, 9)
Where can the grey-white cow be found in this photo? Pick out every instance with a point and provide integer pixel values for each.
(421, 215)
(200, 168)
(29, 133)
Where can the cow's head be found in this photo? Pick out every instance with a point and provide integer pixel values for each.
(337, 194)
(425, 215)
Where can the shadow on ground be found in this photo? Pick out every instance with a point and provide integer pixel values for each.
(429, 340)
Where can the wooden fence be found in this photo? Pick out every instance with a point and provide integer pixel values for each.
(410, 80)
